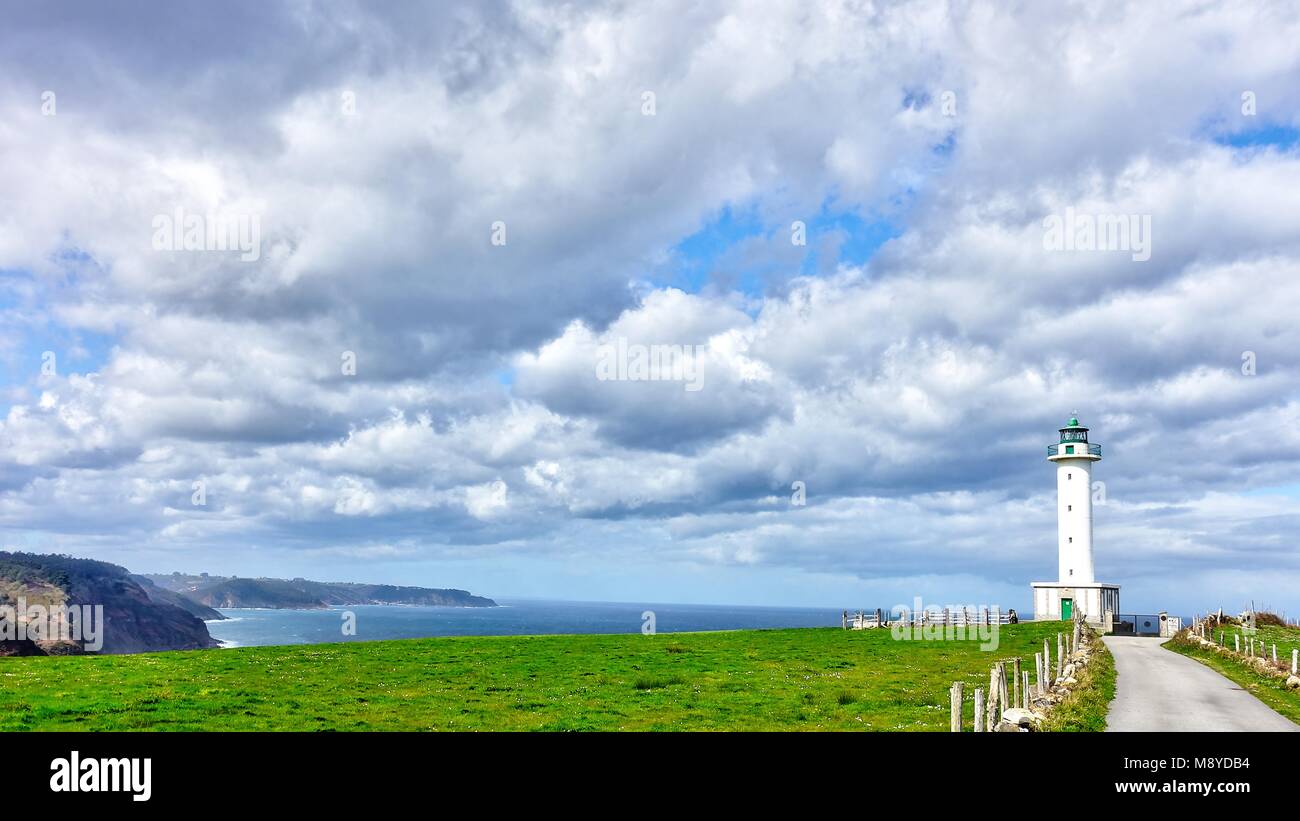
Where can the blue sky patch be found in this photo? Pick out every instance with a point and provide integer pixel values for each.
(1274, 135)
(739, 250)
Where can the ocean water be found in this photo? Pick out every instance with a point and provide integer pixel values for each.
(247, 627)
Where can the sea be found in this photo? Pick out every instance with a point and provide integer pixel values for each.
(246, 627)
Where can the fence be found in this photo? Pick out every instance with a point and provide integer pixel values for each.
(1244, 642)
(1013, 688)
(863, 621)
(948, 617)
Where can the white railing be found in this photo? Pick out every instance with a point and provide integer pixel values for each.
(961, 617)
(954, 617)
(863, 621)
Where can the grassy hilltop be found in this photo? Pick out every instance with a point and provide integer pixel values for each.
(803, 679)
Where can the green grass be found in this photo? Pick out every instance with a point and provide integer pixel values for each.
(1086, 708)
(1268, 689)
(812, 679)
(1286, 638)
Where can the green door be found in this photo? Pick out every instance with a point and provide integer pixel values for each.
(1067, 609)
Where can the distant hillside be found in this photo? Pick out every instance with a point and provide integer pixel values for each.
(303, 594)
(137, 617)
(162, 594)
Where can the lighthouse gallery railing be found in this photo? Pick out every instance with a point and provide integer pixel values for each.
(1055, 450)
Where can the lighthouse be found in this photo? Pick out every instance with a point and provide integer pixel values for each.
(1075, 590)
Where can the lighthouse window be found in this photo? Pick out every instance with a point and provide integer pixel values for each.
(1069, 448)
(1069, 475)
(1071, 538)
(1069, 507)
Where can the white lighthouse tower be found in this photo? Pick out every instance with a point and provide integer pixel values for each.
(1075, 590)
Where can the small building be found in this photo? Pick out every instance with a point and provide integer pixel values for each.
(1075, 590)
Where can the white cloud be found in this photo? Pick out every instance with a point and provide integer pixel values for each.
(912, 394)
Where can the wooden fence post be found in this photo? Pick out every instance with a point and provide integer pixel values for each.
(1236, 642)
(1275, 654)
(1047, 661)
(955, 699)
(990, 709)
(979, 710)
(1015, 682)
(1060, 656)
(1295, 656)
(1024, 690)
(1004, 693)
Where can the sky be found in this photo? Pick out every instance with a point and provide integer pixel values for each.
(839, 214)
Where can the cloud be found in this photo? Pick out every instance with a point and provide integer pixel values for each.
(385, 381)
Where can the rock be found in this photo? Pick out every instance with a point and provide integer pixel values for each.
(1021, 717)
(1008, 727)
(1069, 681)
(1068, 671)
(1293, 682)
(20, 647)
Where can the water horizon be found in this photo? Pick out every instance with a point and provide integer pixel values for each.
(260, 627)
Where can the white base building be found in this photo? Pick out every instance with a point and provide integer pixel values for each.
(1054, 600)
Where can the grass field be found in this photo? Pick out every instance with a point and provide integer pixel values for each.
(809, 679)
(1270, 690)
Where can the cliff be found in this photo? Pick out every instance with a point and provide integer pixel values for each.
(133, 620)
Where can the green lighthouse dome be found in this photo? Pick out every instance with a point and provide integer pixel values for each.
(1074, 441)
